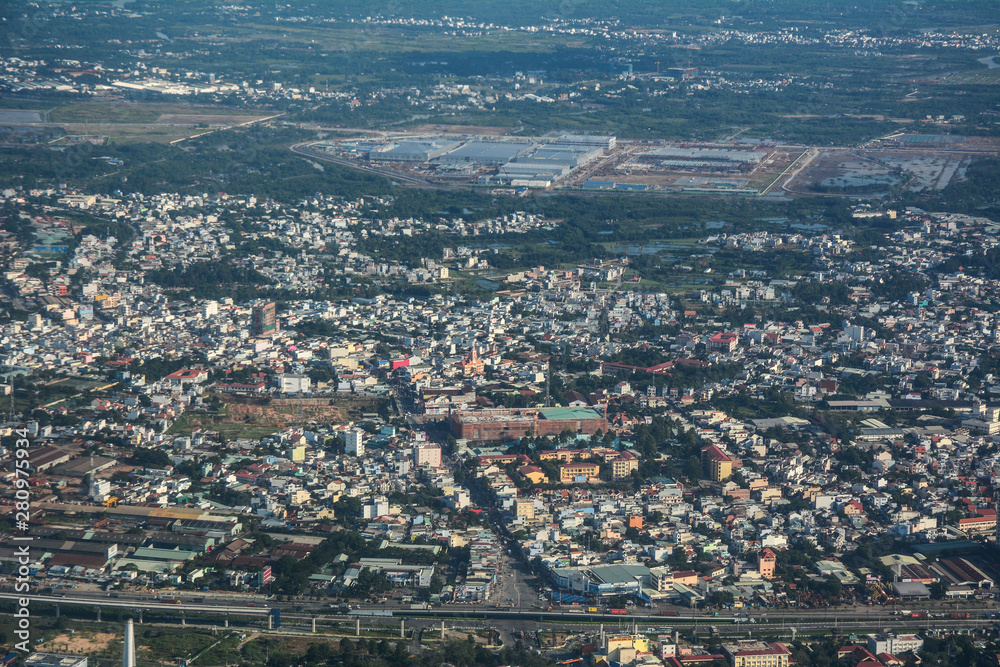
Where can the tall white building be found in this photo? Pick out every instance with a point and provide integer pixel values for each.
(427, 455)
(290, 383)
(355, 443)
(894, 644)
(378, 507)
(99, 489)
(460, 499)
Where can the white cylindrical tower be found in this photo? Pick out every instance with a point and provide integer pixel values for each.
(128, 649)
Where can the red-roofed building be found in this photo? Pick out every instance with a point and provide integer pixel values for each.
(686, 577)
(724, 342)
(765, 563)
(194, 376)
(533, 474)
(853, 654)
(978, 525)
(853, 508)
(717, 465)
(752, 653)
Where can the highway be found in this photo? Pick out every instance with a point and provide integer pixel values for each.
(149, 605)
(303, 613)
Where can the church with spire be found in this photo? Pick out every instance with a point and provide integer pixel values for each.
(473, 366)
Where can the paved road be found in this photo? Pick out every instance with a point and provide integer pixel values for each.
(235, 604)
(512, 589)
(297, 619)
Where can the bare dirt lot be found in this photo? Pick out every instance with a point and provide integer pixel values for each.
(873, 171)
(85, 643)
(759, 177)
(842, 172)
(283, 410)
(479, 130)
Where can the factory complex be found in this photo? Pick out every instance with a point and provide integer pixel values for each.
(515, 162)
(564, 161)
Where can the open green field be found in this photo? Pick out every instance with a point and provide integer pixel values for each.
(120, 133)
(689, 242)
(226, 429)
(7, 102)
(256, 418)
(142, 112)
(224, 651)
(104, 112)
(131, 122)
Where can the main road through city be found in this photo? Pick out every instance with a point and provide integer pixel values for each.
(216, 609)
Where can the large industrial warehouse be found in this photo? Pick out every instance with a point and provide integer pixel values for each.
(485, 153)
(702, 159)
(416, 150)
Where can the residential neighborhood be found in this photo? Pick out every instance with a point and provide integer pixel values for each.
(428, 444)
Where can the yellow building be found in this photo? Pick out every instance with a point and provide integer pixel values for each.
(579, 472)
(624, 465)
(716, 464)
(978, 525)
(473, 365)
(661, 579)
(299, 497)
(752, 653)
(524, 507)
(533, 474)
(623, 648)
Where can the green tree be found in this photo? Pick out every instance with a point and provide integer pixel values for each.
(692, 468)
(832, 587)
